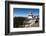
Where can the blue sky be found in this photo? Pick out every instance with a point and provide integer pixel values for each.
(24, 11)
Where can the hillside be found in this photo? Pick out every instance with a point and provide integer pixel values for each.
(19, 22)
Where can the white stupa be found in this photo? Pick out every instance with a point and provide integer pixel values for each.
(29, 21)
(29, 15)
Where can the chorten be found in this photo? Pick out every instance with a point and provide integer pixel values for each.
(30, 15)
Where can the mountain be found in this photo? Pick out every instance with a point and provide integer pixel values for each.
(22, 21)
